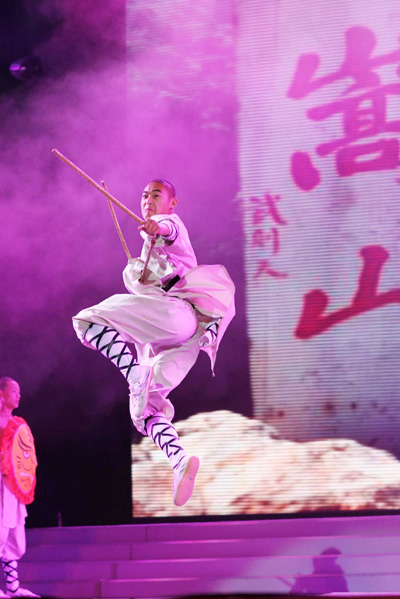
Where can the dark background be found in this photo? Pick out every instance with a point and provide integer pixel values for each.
(59, 252)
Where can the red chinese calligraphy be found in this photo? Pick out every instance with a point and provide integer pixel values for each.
(265, 268)
(261, 238)
(265, 236)
(313, 321)
(363, 115)
(304, 172)
(358, 64)
(267, 207)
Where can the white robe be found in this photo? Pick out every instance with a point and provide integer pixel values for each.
(12, 524)
(166, 326)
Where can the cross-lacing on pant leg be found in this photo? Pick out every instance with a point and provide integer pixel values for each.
(210, 334)
(10, 569)
(212, 329)
(165, 436)
(109, 342)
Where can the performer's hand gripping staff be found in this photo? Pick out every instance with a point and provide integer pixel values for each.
(103, 189)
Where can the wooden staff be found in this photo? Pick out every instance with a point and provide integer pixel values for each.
(115, 219)
(143, 276)
(97, 186)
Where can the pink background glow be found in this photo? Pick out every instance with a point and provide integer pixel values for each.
(319, 182)
(59, 248)
(241, 106)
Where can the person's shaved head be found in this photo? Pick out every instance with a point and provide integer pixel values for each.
(4, 382)
(168, 185)
(158, 197)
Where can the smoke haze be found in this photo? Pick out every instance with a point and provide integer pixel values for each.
(59, 248)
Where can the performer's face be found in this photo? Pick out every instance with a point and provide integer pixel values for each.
(156, 199)
(11, 395)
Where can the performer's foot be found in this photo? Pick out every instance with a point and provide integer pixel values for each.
(20, 592)
(139, 386)
(184, 476)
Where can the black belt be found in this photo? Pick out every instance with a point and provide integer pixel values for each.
(169, 284)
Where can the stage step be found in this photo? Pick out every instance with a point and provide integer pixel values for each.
(291, 527)
(284, 567)
(317, 555)
(208, 548)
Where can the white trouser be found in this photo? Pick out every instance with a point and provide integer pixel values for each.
(12, 526)
(164, 330)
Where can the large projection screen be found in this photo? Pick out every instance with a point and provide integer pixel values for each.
(296, 105)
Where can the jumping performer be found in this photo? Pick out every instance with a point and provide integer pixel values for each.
(16, 485)
(173, 309)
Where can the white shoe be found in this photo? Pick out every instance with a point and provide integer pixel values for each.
(139, 389)
(184, 477)
(20, 592)
(2, 594)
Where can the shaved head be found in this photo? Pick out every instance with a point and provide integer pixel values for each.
(170, 188)
(4, 382)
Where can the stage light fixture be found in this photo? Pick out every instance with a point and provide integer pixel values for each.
(26, 68)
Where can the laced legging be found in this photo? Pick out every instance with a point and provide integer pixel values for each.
(164, 435)
(110, 343)
(10, 569)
